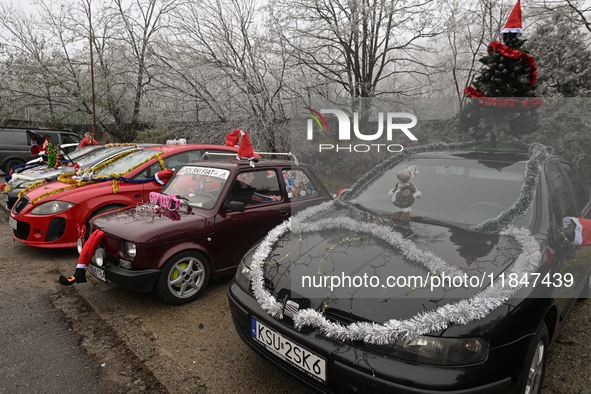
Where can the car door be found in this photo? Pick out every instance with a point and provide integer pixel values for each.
(564, 265)
(581, 196)
(266, 206)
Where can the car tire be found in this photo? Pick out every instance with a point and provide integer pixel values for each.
(532, 375)
(12, 163)
(183, 278)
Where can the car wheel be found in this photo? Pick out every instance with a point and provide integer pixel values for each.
(532, 376)
(183, 278)
(12, 163)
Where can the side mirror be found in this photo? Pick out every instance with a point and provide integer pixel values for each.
(237, 206)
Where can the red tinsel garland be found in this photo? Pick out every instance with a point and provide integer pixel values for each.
(503, 102)
(515, 54)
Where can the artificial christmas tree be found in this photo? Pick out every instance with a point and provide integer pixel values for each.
(503, 103)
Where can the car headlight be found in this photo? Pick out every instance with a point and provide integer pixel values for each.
(129, 249)
(51, 207)
(24, 185)
(242, 276)
(437, 350)
(99, 257)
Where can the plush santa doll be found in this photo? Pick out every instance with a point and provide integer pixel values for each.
(404, 193)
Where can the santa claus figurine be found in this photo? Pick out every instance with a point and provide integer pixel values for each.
(404, 193)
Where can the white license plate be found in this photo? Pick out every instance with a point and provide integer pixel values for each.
(289, 351)
(12, 222)
(98, 273)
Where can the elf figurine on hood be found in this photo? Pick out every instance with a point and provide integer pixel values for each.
(404, 193)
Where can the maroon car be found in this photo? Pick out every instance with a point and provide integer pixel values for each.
(225, 207)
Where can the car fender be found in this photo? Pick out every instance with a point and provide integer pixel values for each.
(178, 246)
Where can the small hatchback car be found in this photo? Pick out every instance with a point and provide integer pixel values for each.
(466, 297)
(220, 208)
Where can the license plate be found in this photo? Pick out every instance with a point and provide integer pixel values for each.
(289, 351)
(98, 273)
(12, 222)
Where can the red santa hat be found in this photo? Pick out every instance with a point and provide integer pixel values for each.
(245, 151)
(233, 138)
(163, 176)
(582, 233)
(514, 22)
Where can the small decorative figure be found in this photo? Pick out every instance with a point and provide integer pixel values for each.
(404, 193)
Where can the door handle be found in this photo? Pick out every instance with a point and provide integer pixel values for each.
(283, 211)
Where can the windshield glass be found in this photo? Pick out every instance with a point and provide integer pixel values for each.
(200, 186)
(453, 190)
(124, 164)
(97, 156)
(78, 153)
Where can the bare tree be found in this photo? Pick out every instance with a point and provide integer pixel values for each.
(245, 79)
(357, 44)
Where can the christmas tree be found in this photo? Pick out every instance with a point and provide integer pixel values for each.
(502, 103)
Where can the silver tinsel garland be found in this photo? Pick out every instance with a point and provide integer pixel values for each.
(462, 312)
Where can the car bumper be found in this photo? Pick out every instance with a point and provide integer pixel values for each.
(352, 369)
(49, 231)
(142, 281)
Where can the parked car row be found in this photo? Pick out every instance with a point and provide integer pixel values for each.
(492, 216)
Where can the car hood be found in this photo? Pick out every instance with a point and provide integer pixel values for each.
(150, 228)
(347, 254)
(35, 175)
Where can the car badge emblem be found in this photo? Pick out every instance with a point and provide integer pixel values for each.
(291, 308)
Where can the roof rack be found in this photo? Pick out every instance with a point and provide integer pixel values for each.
(291, 155)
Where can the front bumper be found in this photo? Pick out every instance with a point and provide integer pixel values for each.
(352, 369)
(59, 230)
(142, 281)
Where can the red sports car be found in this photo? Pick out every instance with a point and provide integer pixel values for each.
(51, 215)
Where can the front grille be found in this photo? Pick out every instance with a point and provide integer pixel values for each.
(22, 231)
(57, 228)
(20, 205)
(341, 317)
(288, 295)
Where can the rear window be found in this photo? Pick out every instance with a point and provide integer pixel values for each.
(70, 139)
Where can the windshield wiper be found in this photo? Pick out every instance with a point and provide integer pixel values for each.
(363, 208)
(426, 219)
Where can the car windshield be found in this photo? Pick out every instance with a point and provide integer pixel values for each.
(97, 156)
(79, 153)
(453, 190)
(201, 187)
(126, 163)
